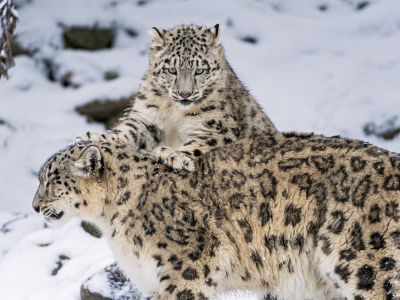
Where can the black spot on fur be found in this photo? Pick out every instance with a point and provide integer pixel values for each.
(177, 263)
(377, 242)
(392, 210)
(236, 199)
(392, 183)
(246, 276)
(211, 283)
(158, 258)
(366, 278)
(197, 153)
(343, 271)
(357, 237)
(148, 225)
(357, 164)
(190, 274)
(299, 242)
(269, 242)
(162, 245)
(326, 244)
(185, 295)
(292, 215)
(283, 242)
(137, 240)
(387, 264)
(361, 191)
(374, 214)
(206, 271)
(114, 217)
(265, 213)
(347, 254)
(122, 182)
(379, 167)
(166, 277)
(388, 287)
(171, 288)
(323, 164)
(157, 211)
(256, 258)
(247, 230)
(124, 168)
(176, 235)
(339, 220)
(340, 188)
(291, 163)
(396, 237)
(268, 184)
(124, 198)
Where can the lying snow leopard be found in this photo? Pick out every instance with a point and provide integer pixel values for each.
(189, 101)
(286, 215)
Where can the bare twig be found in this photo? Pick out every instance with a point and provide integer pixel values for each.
(8, 22)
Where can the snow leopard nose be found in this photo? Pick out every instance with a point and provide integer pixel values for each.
(36, 208)
(185, 95)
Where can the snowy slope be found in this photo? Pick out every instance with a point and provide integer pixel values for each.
(318, 65)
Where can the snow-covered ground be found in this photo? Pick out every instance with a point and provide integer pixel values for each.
(317, 65)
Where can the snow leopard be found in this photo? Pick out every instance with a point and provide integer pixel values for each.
(189, 101)
(287, 215)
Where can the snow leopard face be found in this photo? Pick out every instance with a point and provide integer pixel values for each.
(59, 196)
(185, 63)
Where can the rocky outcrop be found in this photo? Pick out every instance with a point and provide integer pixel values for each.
(88, 38)
(107, 112)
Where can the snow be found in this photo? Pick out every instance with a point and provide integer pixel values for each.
(330, 71)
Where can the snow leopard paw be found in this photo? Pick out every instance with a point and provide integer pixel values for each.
(175, 159)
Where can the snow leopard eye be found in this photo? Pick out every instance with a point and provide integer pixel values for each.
(172, 70)
(199, 71)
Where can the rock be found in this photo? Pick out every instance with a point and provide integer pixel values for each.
(111, 75)
(88, 38)
(250, 39)
(107, 112)
(17, 49)
(109, 284)
(362, 5)
(131, 32)
(387, 130)
(91, 229)
(60, 263)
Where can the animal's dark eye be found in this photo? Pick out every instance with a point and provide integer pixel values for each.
(172, 70)
(199, 71)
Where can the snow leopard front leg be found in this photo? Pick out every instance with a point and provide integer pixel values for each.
(195, 145)
(130, 131)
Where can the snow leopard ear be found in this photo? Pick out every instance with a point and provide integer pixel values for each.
(215, 32)
(158, 38)
(90, 163)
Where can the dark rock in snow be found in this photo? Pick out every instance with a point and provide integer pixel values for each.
(60, 263)
(109, 284)
(388, 130)
(250, 39)
(107, 112)
(131, 32)
(17, 49)
(88, 38)
(110, 75)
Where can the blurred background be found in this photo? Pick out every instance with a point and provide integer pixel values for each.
(326, 66)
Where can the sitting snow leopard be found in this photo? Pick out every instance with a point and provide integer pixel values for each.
(291, 216)
(189, 101)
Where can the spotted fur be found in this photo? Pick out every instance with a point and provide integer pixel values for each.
(219, 110)
(288, 215)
